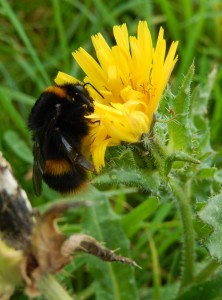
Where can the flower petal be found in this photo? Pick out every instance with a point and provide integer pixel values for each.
(131, 76)
(62, 78)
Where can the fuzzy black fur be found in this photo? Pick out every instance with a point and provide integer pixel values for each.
(58, 125)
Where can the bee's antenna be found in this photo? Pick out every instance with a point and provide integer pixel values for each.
(88, 83)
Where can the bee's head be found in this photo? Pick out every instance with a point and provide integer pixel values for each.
(78, 94)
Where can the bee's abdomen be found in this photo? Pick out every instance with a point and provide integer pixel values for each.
(64, 177)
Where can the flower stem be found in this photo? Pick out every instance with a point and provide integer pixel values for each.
(160, 155)
(51, 289)
(188, 234)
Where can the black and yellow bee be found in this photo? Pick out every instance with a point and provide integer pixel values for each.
(58, 125)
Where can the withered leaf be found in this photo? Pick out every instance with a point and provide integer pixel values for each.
(86, 243)
(50, 251)
(44, 254)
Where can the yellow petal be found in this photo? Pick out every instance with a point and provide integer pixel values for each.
(122, 38)
(63, 78)
(96, 75)
(131, 76)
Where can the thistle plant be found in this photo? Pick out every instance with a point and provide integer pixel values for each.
(150, 135)
(145, 135)
(130, 78)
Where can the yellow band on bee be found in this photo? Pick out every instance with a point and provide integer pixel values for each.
(56, 90)
(56, 167)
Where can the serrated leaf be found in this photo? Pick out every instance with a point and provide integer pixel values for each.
(208, 290)
(179, 132)
(18, 146)
(200, 99)
(202, 139)
(143, 179)
(201, 94)
(212, 215)
(113, 280)
(202, 190)
(202, 229)
(120, 157)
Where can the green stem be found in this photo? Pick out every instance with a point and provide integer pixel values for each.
(188, 234)
(51, 289)
(160, 156)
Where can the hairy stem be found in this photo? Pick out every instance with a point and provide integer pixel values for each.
(160, 156)
(188, 234)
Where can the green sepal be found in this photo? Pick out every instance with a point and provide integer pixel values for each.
(178, 156)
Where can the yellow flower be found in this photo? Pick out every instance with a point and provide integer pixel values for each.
(131, 77)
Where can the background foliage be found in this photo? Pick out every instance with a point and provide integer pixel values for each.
(141, 218)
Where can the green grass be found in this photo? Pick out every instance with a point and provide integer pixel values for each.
(36, 41)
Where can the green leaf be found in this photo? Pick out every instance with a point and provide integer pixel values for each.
(138, 214)
(200, 98)
(202, 135)
(201, 94)
(179, 132)
(206, 173)
(113, 280)
(212, 215)
(202, 229)
(208, 290)
(218, 176)
(18, 146)
(143, 179)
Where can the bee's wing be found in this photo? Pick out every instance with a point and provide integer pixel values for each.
(74, 156)
(38, 168)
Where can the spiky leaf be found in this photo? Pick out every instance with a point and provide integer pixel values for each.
(212, 215)
(114, 280)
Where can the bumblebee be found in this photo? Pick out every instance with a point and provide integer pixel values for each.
(58, 125)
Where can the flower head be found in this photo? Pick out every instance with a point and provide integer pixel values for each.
(131, 77)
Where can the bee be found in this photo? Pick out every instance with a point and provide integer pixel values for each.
(58, 125)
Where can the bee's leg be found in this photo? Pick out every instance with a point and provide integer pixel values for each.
(85, 163)
(94, 122)
(73, 154)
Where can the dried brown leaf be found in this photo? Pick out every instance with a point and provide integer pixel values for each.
(50, 251)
